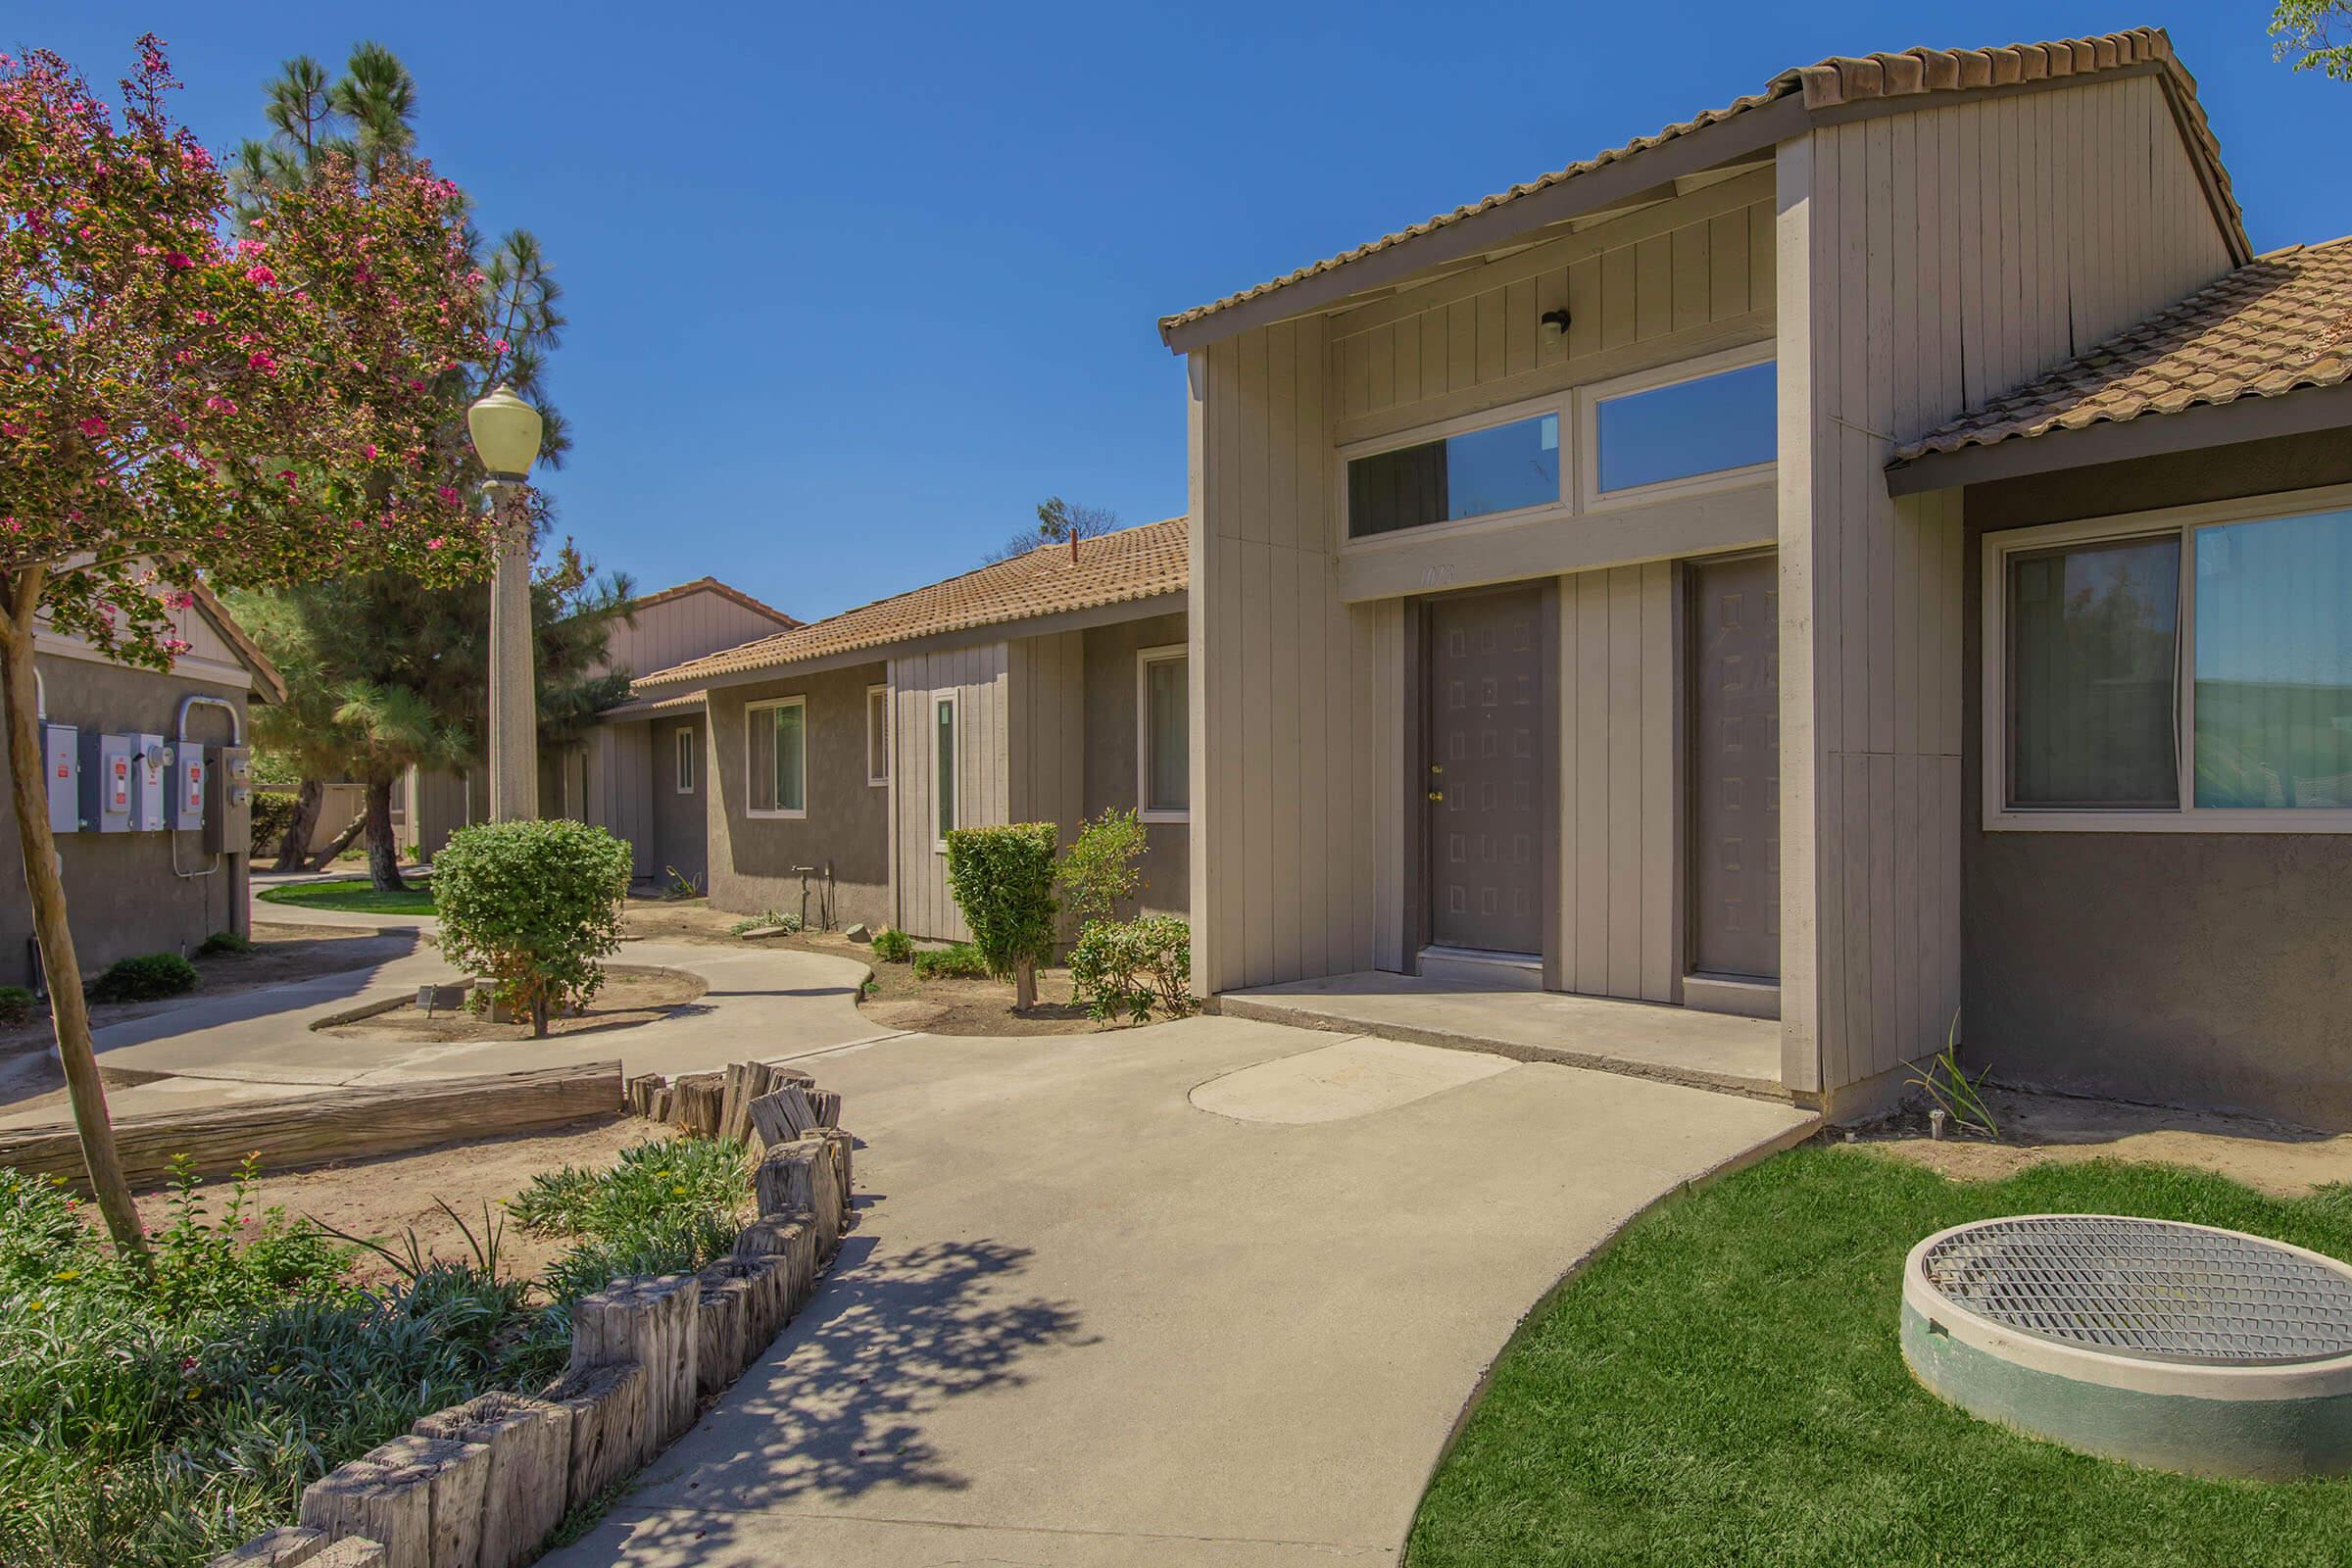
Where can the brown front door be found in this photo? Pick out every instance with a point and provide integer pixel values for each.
(1734, 769)
(1486, 728)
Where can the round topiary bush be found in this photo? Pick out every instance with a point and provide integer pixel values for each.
(530, 908)
(149, 977)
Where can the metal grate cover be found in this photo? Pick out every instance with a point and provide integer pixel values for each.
(2149, 1289)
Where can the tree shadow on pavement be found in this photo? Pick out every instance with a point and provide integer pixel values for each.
(837, 1408)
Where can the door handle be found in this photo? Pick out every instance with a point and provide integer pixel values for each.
(1436, 795)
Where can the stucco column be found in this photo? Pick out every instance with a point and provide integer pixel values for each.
(513, 684)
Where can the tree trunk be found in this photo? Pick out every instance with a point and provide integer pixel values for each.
(384, 850)
(1024, 984)
(307, 807)
(58, 964)
(539, 1017)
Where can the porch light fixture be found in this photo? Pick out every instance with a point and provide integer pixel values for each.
(506, 434)
(1556, 324)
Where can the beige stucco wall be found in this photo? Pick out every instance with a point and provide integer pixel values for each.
(848, 824)
(122, 896)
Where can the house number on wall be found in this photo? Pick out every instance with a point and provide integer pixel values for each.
(1437, 576)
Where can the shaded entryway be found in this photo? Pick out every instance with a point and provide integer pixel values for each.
(1083, 1321)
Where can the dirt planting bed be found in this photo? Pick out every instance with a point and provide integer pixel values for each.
(632, 995)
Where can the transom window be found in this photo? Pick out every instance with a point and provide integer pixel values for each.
(1163, 734)
(1705, 425)
(1503, 468)
(686, 756)
(777, 752)
(2194, 673)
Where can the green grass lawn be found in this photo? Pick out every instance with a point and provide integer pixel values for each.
(1724, 1387)
(355, 893)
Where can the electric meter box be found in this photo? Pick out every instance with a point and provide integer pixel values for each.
(107, 773)
(189, 787)
(228, 817)
(150, 782)
(60, 773)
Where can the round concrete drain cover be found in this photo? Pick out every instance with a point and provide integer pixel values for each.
(2176, 1346)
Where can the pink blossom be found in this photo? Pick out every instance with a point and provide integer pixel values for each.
(257, 274)
(7, 429)
(371, 451)
(261, 361)
(432, 544)
(499, 345)
(201, 317)
(93, 427)
(178, 261)
(449, 497)
(250, 247)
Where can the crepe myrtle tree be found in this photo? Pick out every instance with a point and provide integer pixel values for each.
(178, 407)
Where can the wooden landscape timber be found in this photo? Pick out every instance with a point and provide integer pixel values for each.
(334, 1124)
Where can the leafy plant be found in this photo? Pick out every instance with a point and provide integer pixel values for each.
(15, 1006)
(220, 942)
(957, 961)
(1003, 880)
(680, 885)
(1125, 968)
(532, 907)
(764, 919)
(148, 977)
(1946, 1083)
(667, 1206)
(273, 813)
(1098, 872)
(893, 946)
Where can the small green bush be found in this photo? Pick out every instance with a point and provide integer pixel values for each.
(220, 942)
(893, 946)
(962, 962)
(532, 907)
(273, 813)
(666, 1208)
(1003, 880)
(1098, 871)
(15, 1006)
(149, 977)
(1125, 968)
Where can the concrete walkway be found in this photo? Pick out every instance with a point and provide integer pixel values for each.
(1086, 1321)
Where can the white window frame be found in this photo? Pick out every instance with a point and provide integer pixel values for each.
(751, 779)
(686, 761)
(887, 751)
(952, 702)
(2189, 817)
(1588, 399)
(1556, 404)
(1145, 659)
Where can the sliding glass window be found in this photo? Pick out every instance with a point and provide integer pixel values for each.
(1504, 468)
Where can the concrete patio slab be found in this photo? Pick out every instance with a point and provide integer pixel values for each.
(1674, 1045)
(1352, 1077)
(1084, 1322)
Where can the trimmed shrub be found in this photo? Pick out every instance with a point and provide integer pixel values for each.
(1125, 968)
(149, 977)
(1003, 880)
(1098, 871)
(220, 942)
(15, 1006)
(273, 813)
(532, 907)
(893, 946)
(962, 962)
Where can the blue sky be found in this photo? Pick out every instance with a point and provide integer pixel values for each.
(853, 288)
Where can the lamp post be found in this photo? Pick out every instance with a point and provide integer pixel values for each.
(506, 437)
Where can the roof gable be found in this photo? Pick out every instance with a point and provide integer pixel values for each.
(1787, 103)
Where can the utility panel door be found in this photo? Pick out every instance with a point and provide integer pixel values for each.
(1486, 723)
(1735, 768)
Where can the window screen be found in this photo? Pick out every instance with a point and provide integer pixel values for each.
(1167, 735)
(2093, 675)
(1501, 469)
(778, 750)
(1703, 425)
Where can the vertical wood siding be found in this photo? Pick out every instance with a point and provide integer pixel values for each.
(1930, 259)
(1477, 339)
(1620, 886)
(678, 629)
(980, 679)
(1046, 723)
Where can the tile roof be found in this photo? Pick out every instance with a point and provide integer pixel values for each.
(725, 591)
(1111, 568)
(1826, 86)
(2282, 321)
(653, 707)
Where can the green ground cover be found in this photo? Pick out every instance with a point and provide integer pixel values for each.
(156, 1422)
(1723, 1386)
(355, 893)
